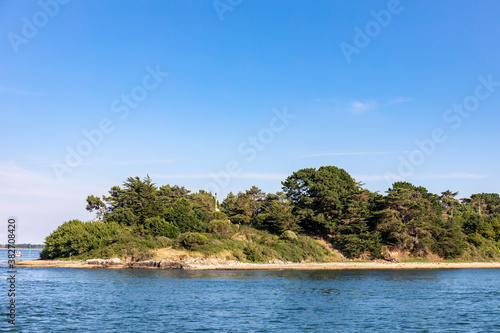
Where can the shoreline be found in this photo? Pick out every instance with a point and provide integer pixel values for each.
(253, 266)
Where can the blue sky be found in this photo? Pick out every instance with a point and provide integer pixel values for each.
(223, 95)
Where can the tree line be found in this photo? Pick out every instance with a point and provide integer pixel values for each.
(325, 202)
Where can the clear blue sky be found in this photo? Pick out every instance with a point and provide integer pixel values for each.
(356, 84)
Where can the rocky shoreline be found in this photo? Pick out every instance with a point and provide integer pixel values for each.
(212, 264)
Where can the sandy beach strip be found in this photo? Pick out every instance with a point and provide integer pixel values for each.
(281, 266)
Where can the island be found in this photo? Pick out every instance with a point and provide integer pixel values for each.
(323, 219)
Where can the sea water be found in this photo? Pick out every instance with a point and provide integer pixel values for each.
(105, 300)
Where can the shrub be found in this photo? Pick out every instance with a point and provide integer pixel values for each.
(159, 227)
(77, 237)
(194, 239)
(253, 254)
(289, 235)
(218, 216)
(219, 227)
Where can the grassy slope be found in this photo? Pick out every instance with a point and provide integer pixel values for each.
(245, 244)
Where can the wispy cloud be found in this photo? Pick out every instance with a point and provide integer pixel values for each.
(361, 107)
(457, 175)
(20, 181)
(14, 91)
(325, 100)
(401, 100)
(166, 161)
(454, 175)
(45, 162)
(269, 176)
(362, 153)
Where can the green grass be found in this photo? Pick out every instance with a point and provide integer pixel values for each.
(251, 245)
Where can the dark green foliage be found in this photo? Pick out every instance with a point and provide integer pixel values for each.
(449, 240)
(408, 216)
(486, 203)
(138, 197)
(159, 227)
(326, 202)
(122, 215)
(170, 194)
(184, 217)
(85, 240)
(243, 208)
(203, 204)
(277, 216)
(96, 204)
(76, 237)
(320, 197)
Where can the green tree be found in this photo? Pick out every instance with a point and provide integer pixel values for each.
(355, 233)
(170, 194)
(96, 204)
(277, 216)
(409, 216)
(157, 226)
(243, 208)
(320, 197)
(203, 204)
(139, 198)
(184, 217)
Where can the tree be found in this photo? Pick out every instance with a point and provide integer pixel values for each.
(243, 208)
(355, 232)
(319, 197)
(448, 201)
(170, 194)
(184, 217)
(408, 217)
(486, 203)
(139, 197)
(203, 204)
(157, 226)
(95, 204)
(277, 215)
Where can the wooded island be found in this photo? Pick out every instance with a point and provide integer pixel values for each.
(321, 215)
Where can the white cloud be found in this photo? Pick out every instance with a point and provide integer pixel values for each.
(306, 155)
(360, 107)
(455, 175)
(166, 161)
(14, 91)
(210, 176)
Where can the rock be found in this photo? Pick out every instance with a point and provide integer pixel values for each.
(165, 264)
(162, 264)
(103, 262)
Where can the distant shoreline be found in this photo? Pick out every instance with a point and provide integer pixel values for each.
(267, 266)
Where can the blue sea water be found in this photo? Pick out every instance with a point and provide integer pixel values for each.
(100, 300)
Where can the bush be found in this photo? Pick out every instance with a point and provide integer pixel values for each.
(218, 216)
(253, 254)
(219, 227)
(289, 235)
(194, 239)
(76, 237)
(159, 227)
